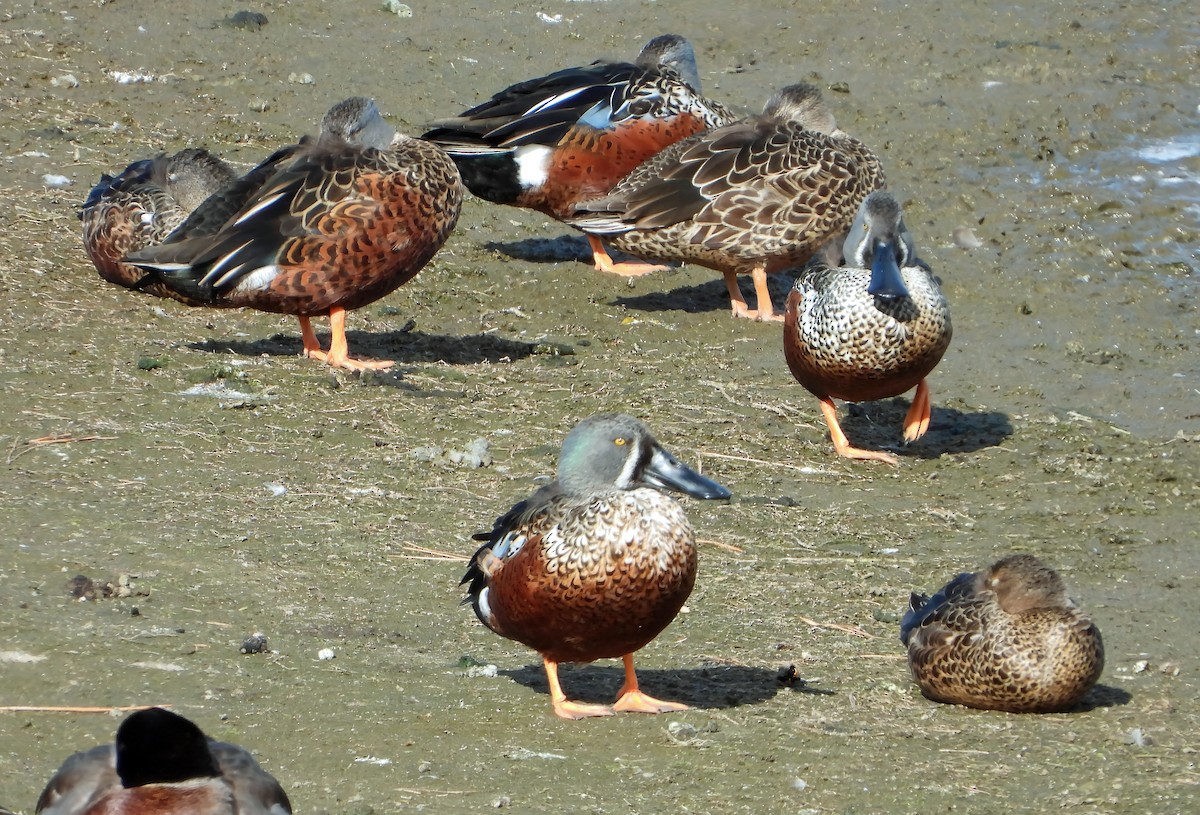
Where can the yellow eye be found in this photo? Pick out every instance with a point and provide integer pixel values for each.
(619, 441)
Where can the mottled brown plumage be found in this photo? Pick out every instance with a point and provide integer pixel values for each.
(753, 197)
(326, 227)
(1008, 638)
(141, 206)
(550, 143)
(162, 764)
(872, 328)
(597, 563)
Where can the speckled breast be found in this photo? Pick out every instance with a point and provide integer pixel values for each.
(844, 343)
(606, 579)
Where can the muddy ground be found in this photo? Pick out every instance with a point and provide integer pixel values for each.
(283, 498)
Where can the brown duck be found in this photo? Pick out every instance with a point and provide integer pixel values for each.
(870, 329)
(1007, 638)
(321, 228)
(143, 204)
(753, 197)
(597, 563)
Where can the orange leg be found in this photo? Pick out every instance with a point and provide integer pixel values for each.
(565, 708)
(917, 420)
(605, 263)
(632, 700)
(842, 445)
(338, 355)
(765, 311)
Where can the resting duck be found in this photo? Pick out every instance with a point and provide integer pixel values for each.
(597, 563)
(1007, 638)
(162, 764)
(320, 228)
(141, 205)
(753, 197)
(870, 329)
(555, 141)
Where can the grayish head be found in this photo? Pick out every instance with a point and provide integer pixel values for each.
(615, 451)
(674, 52)
(358, 121)
(803, 104)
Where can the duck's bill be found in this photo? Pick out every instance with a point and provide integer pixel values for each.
(667, 472)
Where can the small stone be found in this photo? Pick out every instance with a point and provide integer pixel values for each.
(65, 81)
(301, 79)
(397, 8)
(246, 20)
(256, 643)
(326, 654)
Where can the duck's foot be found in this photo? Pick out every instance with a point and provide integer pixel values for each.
(564, 708)
(630, 699)
(605, 263)
(841, 444)
(338, 355)
(766, 310)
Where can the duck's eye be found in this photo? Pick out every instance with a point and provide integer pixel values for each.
(619, 441)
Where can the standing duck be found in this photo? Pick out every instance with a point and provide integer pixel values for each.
(162, 764)
(321, 228)
(1007, 638)
(555, 141)
(597, 563)
(753, 197)
(140, 206)
(870, 329)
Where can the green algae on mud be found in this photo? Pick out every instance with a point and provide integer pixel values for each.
(289, 499)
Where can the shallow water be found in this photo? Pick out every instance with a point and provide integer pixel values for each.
(1066, 422)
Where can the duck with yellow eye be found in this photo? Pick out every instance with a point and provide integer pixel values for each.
(597, 563)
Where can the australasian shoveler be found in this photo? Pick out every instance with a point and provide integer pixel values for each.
(753, 197)
(550, 143)
(143, 204)
(869, 329)
(162, 764)
(320, 228)
(1008, 638)
(597, 563)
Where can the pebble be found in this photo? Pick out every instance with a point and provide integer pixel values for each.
(397, 8)
(326, 654)
(55, 180)
(256, 643)
(301, 79)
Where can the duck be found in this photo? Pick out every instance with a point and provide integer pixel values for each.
(162, 763)
(757, 196)
(1006, 638)
(141, 205)
(597, 563)
(320, 228)
(872, 328)
(552, 142)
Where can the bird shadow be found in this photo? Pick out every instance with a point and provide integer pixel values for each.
(876, 426)
(1103, 696)
(708, 687)
(404, 346)
(699, 298)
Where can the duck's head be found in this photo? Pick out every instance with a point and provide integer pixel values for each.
(357, 120)
(615, 451)
(156, 746)
(880, 241)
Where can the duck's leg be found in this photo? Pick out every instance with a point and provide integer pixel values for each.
(312, 346)
(632, 700)
(765, 310)
(338, 355)
(917, 420)
(605, 263)
(842, 445)
(563, 707)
